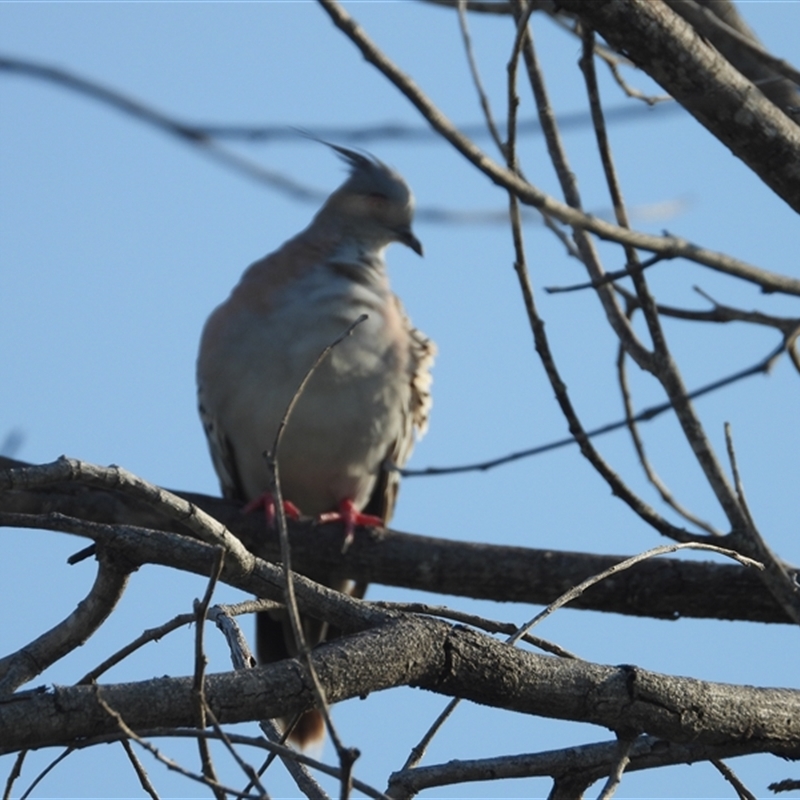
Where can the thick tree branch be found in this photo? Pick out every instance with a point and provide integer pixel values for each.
(719, 22)
(717, 95)
(448, 660)
(114, 478)
(663, 588)
(266, 580)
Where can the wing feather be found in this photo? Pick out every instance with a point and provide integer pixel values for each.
(422, 352)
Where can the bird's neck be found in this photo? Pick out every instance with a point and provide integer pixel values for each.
(359, 254)
(356, 270)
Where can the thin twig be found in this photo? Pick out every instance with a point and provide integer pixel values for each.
(242, 658)
(720, 313)
(753, 47)
(492, 7)
(179, 621)
(347, 756)
(258, 742)
(661, 365)
(46, 771)
(741, 790)
(624, 745)
(670, 246)
(167, 762)
(476, 77)
(243, 765)
(615, 60)
(413, 134)
(789, 326)
(188, 134)
(16, 771)
(295, 763)
(649, 471)
(778, 579)
(418, 751)
(138, 768)
(630, 91)
(200, 663)
(661, 550)
(553, 226)
(608, 277)
(737, 478)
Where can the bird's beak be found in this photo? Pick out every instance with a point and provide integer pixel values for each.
(406, 237)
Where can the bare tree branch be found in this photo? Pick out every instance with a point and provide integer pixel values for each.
(668, 49)
(761, 367)
(661, 365)
(669, 246)
(621, 761)
(448, 660)
(668, 589)
(200, 663)
(112, 577)
(716, 69)
(591, 761)
(741, 790)
(141, 772)
(722, 25)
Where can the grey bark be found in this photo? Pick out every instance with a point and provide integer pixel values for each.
(705, 83)
(432, 655)
(664, 588)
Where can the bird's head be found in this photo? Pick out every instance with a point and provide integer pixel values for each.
(374, 202)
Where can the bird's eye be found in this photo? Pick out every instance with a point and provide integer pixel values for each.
(377, 199)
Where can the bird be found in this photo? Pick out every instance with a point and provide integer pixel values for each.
(364, 406)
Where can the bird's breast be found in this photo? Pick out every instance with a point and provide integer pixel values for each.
(351, 411)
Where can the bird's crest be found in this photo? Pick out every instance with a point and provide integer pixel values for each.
(368, 174)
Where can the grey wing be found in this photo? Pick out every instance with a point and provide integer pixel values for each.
(415, 421)
(222, 455)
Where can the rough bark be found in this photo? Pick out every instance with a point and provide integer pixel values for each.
(432, 655)
(705, 83)
(665, 588)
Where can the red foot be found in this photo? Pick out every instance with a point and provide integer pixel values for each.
(267, 502)
(351, 517)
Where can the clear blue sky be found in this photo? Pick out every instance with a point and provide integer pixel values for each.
(116, 242)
